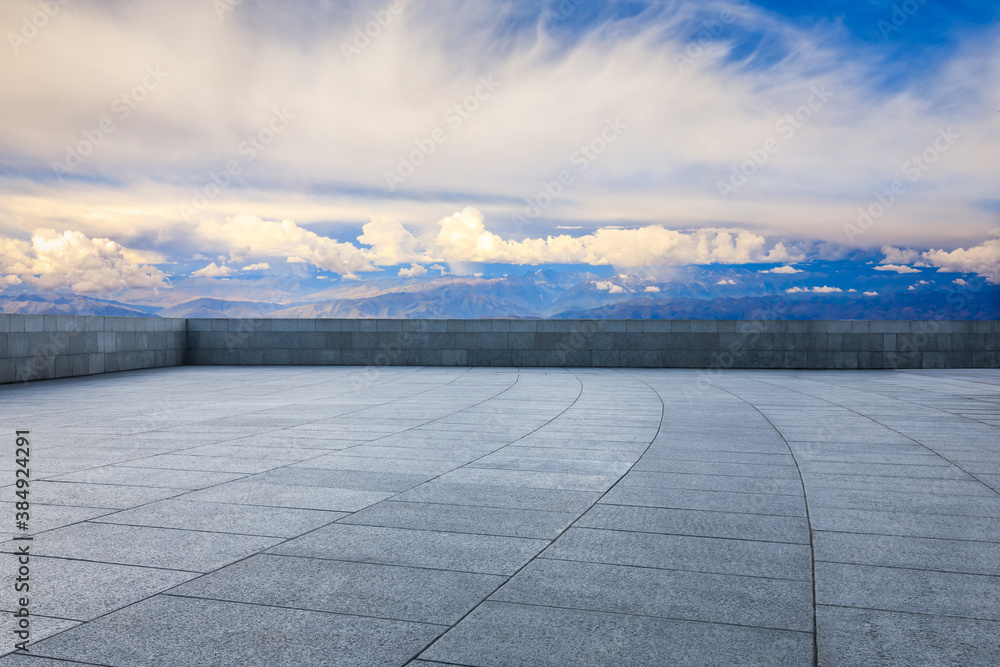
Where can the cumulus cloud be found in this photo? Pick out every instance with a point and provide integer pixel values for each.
(652, 288)
(898, 268)
(263, 266)
(919, 283)
(726, 281)
(391, 243)
(463, 237)
(412, 272)
(959, 281)
(7, 281)
(870, 293)
(53, 260)
(609, 287)
(899, 255)
(248, 234)
(782, 269)
(982, 260)
(214, 271)
(817, 290)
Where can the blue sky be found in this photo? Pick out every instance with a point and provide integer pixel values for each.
(161, 150)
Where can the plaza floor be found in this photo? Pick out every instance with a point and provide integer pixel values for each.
(489, 517)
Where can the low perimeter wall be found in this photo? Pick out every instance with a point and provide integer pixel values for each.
(35, 347)
(43, 347)
(597, 343)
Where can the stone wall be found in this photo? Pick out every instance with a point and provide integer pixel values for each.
(596, 343)
(41, 347)
(35, 347)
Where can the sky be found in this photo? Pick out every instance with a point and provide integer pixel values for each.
(159, 150)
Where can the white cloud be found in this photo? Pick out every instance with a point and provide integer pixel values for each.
(351, 276)
(72, 260)
(214, 271)
(897, 268)
(7, 281)
(609, 287)
(438, 267)
(919, 283)
(782, 269)
(817, 290)
(726, 281)
(982, 260)
(412, 272)
(391, 243)
(899, 255)
(463, 237)
(959, 281)
(871, 293)
(263, 266)
(652, 288)
(271, 238)
(683, 121)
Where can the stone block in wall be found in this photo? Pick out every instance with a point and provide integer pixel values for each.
(7, 374)
(795, 359)
(337, 341)
(327, 325)
(454, 357)
(277, 357)
(64, 366)
(523, 326)
(302, 356)
(520, 341)
(606, 358)
(389, 326)
(434, 326)
(327, 357)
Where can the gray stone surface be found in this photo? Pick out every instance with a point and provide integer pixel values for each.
(485, 554)
(189, 632)
(36, 347)
(360, 589)
(500, 634)
(504, 516)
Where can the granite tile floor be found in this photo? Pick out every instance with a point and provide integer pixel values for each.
(492, 517)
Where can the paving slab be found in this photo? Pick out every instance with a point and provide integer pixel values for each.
(646, 591)
(484, 554)
(866, 637)
(224, 518)
(501, 634)
(682, 552)
(456, 516)
(188, 550)
(360, 589)
(696, 523)
(190, 632)
(542, 524)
